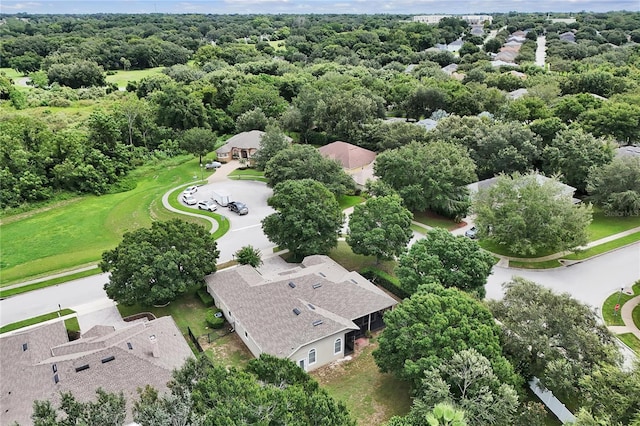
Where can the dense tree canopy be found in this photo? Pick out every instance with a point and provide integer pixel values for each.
(616, 186)
(108, 410)
(430, 176)
(430, 327)
(380, 227)
(305, 162)
(551, 336)
(308, 218)
(453, 261)
(528, 217)
(272, 142)
(155, 265)
(269, 391)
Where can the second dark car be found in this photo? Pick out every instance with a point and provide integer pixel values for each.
(238, 207)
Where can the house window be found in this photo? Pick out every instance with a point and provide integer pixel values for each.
(337, 346)
(312, 356)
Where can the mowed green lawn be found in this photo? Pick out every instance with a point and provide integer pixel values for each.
(76, 232)
(121, 78)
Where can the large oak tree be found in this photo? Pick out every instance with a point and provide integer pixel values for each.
(155, 265)
(308, 218)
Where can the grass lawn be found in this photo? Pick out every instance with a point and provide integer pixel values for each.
(121, 78)
(228, 351)
(278, 45)
(47, 283)
(248, 174)
(371, 396)
(547, 264)
(187, 311)
(355, 262)
(11, 73)
(436, 221)
(500, 249)
(346, 201)
(630, 340)
(419, 229)
(603, 248)
(36, 320)
(608, 312)
(635, 314)
(603, 225)
(72, 324)
(76, 231)
(223, 223)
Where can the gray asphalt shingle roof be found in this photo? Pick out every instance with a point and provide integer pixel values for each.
(30, 375)
(264, 304)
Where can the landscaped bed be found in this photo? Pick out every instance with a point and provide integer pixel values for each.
(610, 316)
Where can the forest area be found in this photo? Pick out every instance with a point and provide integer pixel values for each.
(86, 100)
(364, 79)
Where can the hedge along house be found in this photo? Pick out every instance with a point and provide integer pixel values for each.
(311, 314)
(241, 146)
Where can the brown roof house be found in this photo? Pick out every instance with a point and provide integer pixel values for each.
(356, 161)
(241, 146)
(311, 314)
(39, 363)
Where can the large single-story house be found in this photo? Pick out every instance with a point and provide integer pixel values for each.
(476, 187)
(241, 146)
(356, 161)
(41, 362)
(311, 314)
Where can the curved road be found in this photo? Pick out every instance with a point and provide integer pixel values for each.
(590, 282)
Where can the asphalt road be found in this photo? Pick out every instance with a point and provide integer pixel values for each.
(590, 282)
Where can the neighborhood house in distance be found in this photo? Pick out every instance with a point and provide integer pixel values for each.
(241, 146)
(311, 314)
(40, 363)
(357, 162)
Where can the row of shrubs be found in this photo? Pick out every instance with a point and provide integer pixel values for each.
(213, 321)
(385, 280)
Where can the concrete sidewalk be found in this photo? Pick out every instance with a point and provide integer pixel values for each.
(626, 313)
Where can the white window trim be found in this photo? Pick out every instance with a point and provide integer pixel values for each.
(315, 356)
(334, 346)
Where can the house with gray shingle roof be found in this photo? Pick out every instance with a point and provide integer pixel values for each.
(41, 362)
(242, 146)
(311, 314)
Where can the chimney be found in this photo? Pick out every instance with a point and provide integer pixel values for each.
(155, 350)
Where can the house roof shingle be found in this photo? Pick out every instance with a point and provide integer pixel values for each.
(324, 291)
(157, 347)
(244, 140)
(348, 155)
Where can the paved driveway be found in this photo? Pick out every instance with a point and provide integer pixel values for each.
(247, 229)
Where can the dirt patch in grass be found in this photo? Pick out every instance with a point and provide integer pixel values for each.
(372, 397)
(226, 349)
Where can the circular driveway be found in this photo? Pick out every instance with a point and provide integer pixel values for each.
(244, 230)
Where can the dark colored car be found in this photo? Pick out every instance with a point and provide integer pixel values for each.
(238, 207)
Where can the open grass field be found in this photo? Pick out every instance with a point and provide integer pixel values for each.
(346, 201)
(121, 78)
(11, 73)
(371, 396)
(76, 232)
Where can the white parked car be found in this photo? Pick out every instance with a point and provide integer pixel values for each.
(207, 205)
(190, 190)
(189, 199)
